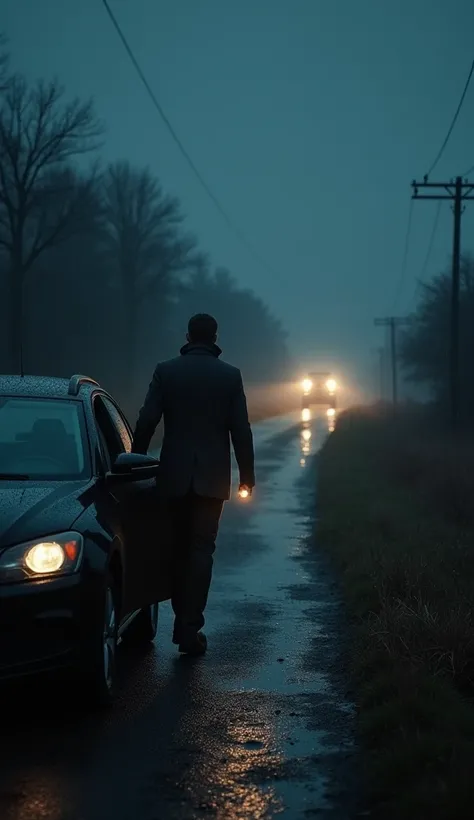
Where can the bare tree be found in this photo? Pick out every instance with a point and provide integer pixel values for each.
(40, 195)
(142, 227)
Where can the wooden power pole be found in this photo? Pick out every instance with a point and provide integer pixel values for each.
(457, 192)
(393, 323)
(381, 371)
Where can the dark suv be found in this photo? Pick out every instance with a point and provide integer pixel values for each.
(83, 562)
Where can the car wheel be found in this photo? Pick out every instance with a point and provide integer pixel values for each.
(143, 628)
(100, 657)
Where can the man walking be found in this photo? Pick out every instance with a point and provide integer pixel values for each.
(203, 405)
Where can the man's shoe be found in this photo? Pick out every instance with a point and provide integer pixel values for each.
(195, 646)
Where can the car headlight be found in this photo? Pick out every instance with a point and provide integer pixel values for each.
(49, 557)
(307, 384)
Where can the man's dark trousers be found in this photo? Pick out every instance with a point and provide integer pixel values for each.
(196, 522)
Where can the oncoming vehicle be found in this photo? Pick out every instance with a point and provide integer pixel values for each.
(80, 569)
(319, 388)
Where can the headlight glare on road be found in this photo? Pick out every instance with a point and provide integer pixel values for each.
(331, 412)
(306, 434)
(42, 558)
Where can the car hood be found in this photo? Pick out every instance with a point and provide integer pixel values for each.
(37, 509)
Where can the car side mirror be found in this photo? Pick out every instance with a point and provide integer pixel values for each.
(134, 467)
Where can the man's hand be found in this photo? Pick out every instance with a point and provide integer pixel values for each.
(149, 416)
(241, 435)
(245, 491)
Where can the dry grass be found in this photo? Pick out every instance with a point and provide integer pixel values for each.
(396, 511)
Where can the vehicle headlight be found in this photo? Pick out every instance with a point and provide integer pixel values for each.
(331, 385)
(307, 385)
(49, 557)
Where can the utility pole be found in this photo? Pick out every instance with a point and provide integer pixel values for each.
(457, 191)
(381, 371)
(378, 372)
(393, 323)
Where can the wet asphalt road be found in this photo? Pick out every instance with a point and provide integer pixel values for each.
(259, 728)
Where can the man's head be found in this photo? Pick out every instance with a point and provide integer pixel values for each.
(202, 329)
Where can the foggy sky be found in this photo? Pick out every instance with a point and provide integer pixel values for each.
(308, 119)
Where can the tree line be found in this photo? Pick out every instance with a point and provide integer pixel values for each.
(425, 345)
(98, 273)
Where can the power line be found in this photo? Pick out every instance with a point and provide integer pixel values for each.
(240, 236)
(403, 271)
(453, 123)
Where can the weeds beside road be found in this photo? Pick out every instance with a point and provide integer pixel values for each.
(396, 512)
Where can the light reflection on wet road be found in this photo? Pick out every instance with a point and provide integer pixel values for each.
(258, 728)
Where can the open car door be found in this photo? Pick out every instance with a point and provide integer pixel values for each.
(145, 527)
(150, 545)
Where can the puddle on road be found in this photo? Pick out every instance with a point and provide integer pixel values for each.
(268, 579)
(280, 582)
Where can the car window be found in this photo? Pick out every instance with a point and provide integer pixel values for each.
(111, 443)
(43, 438)
(120, 424)
(113, 429)
(104, 450)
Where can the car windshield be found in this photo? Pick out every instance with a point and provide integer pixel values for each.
(42, 439)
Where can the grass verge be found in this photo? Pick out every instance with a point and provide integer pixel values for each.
(396, 512)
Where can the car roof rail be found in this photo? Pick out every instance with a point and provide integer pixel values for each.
(76, 381)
